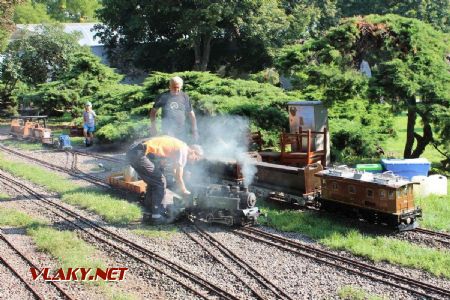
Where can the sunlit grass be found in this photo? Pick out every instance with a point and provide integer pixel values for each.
(70, 250)
(23, 145)
(4, 196)
(111, 208)
(356, 293)
(65, 246)
(337, 236)
(15, 218)
(160, 231)
(436, 211)
(395, 146)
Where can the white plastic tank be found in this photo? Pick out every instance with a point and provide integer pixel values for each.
(436, 185)
(419, 188)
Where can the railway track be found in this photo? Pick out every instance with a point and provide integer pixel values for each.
(267, 287)
(35, 294)
(60, 291)
(126, 246)
(413, 286)
(409, 285)
(440, 237)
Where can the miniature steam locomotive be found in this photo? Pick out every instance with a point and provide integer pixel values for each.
(226, 204)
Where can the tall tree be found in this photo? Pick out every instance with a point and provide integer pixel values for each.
(6, 20)
(195, 25)
(410, 70)
(70, 10)
(31, 13)
(435, 12)
(38, 57)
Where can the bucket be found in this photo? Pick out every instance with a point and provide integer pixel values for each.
(130, 174)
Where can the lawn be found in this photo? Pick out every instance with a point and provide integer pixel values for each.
(110, 207)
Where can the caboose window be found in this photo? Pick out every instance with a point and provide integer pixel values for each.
(335, 186)
(391, 195)
(382, 194)
(351, 189)
(369, 193)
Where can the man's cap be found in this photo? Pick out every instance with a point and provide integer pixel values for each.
(88, 104)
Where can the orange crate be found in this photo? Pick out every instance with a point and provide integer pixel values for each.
(117, 180)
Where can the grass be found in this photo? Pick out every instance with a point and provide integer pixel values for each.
(15, 218)
(161, 231)
(355, 293)
(4, 196)
(111, 208)
(338, 236)
(65, 246)
(436, 211)
(23, 145)
(70, 250)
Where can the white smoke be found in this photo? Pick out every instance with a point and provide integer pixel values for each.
(225, 138)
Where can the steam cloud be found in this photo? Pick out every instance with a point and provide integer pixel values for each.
(225, 139)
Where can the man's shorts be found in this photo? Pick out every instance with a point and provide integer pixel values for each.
(89, 128)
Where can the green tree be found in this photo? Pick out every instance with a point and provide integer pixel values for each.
(31, 13)
(70, 10)
(409, 66)
(6, 20)
(189, 25)
(435, 12)
(38, 57)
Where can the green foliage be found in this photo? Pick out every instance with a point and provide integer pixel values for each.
(408, 63)
(349, 139)
(266, 76)
(70, 10)
(122, 131)
(6, 20)
(31, 12)
(85, 80)
(434, 12)
(190, 29)
(40, 56)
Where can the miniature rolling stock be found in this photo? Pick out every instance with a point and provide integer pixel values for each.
(384, 198)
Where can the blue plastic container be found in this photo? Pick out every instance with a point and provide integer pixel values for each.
(407, 167)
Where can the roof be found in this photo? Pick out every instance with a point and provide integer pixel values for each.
(86, 29)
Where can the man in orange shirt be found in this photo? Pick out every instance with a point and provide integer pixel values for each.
(146, 158)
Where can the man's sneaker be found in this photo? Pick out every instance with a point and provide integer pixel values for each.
(153, 219)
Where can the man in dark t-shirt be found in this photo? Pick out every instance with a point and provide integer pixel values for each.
(175, 106)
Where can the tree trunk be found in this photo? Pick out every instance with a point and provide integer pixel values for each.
(423, 141)
(202, 52)
(197, 54)
(412, 114)
(206, 53)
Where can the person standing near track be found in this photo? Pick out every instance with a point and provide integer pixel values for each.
(176, 106)
(88, 124)
(148, 159)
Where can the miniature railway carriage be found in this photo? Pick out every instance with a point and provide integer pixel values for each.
(375, 197)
